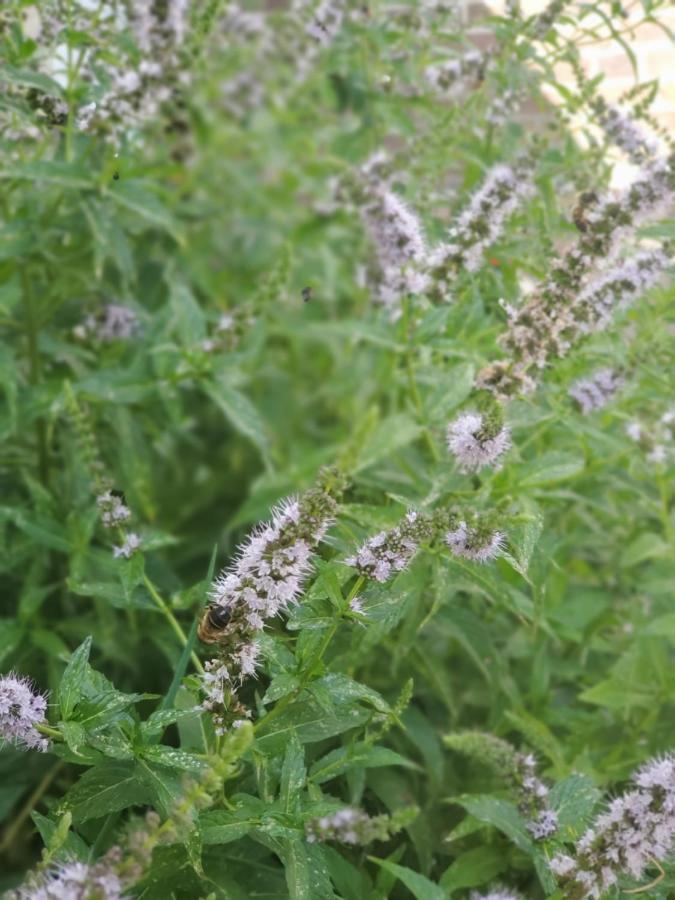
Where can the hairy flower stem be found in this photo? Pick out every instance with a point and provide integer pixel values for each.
(172, 620)
(311, 666)
(35, 374)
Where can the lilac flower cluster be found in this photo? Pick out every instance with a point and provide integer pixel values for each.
(621, 129)
(351, 825)
(477, 440)
(576, 299)
(299, 36)
(637, 829)
(496, 893)
(22, 709)
(267, 578)
(387, 553)
(480, 224)
(542, 821)
(656, 439)
(519, 770)
(73, 881)
(451, 75)
(136, 93)
(597, 390)
(476, 540)
(114, 513)
(113, 509)
(396, 235)
(113, 322)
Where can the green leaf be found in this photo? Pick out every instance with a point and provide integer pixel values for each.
(222, 826)
(104, 789)
(551, 467)
(63, 174)
(476, 866)
(499, 813)
(360, 755)
(132, 196)
(241, 414)
(574, 799)
(72, 681)
(306, 872)
(28, 78)
(391, 434)
(646, 546)
(419, 886)
(173, 758)
(293, 773)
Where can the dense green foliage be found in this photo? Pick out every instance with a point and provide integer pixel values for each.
(258, 357)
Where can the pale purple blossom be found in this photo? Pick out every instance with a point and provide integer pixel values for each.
(22, 709)
(348, 826)
(112, 508)
(637, 828)
(272, 567)
(474, 444)
(496, 893)
(475, 543)
(73, 880)
(597, 390)
(544, 825)
(387, 553)
(113, 322)
(449, 76)
(129, 546)
(480, 224)
(622, 129)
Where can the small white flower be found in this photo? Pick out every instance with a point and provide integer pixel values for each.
(75, 881)
(21, 709)
(132, 542)
(472, 544)
(471, 447)
(544, 825)
(113, 509)
(597, 390)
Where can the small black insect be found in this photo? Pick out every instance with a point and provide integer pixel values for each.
(116, 492)
(213, 624)
(116, 175)
(307, 294)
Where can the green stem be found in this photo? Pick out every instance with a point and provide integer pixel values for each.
(49, 731)
(173, 622)
(13, 828)
(35, 373)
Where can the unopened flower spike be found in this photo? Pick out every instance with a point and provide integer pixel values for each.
(22, 709)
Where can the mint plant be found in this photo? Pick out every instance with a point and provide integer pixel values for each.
(337, 446)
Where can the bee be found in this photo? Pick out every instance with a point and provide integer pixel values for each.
(584, 203)
(213, 624)
(307, 293)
